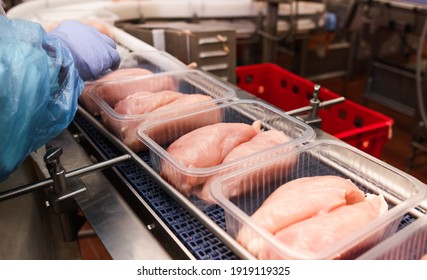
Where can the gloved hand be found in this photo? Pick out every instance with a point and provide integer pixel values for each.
(93, 52)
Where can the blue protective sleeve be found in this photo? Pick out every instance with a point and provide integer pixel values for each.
(39, 89)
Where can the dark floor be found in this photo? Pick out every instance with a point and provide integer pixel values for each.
(395, 152)
(91, 247)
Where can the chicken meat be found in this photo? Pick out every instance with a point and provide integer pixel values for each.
(178, 107)
(121, 83)
(298, 200)
(130, 110)
(260, 142)
(203, 148)
(316, 234)
(145, 101)
(303, 198)
(87, 101)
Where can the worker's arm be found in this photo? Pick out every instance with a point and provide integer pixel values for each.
(41, 84)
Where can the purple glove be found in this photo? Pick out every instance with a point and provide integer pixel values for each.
(93, 52)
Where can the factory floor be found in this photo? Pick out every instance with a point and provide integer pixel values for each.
(91, 247)
(395, 152)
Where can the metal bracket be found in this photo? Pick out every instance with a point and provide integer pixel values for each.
(61, 196)
(71, 174)
(62, 188)
(312, 116)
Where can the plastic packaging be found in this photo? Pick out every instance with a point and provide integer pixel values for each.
(157, 136)
(189, 82)
(151, 61)
(401, 192)
(410, 243)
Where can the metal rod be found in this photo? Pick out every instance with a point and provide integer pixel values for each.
(299, 111)
(71, 194)
(322, 104)
(25, 189)
(48, 182)
(327, 103)
(97, 166)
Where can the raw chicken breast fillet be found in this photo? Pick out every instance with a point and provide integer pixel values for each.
(87, 101)
(144, 102)
(171, 109)
(112, 93)
(261, 141)
(205, 147)
(303, 198)
(133, 105)
(116, 86)
(298, 200)
(319, 233)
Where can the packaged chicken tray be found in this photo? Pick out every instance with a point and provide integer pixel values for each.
(410, 243)
(125, 104)
(190, 150)
(132, 65)
(332, 202)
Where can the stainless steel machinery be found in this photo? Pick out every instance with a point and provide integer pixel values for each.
(394, 32)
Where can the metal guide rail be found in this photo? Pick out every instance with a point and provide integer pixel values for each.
(200, 228)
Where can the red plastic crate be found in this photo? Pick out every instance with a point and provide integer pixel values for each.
(354, 124)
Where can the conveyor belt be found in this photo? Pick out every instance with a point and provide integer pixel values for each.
(203, 244)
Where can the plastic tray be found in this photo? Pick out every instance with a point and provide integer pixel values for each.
(408, 244)
(401, 191)
(148, 63)
(240, 111)
(187, 82)
(350, 122)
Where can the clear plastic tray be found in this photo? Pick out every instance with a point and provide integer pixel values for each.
(210, 92)
(190, 180)
(410, 243)
(324, 157)
(132, 65)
